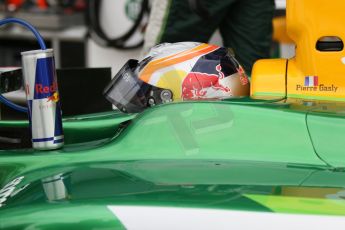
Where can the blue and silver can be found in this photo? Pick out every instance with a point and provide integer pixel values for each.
(43, 100)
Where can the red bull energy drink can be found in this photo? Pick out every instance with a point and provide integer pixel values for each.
(43, 100)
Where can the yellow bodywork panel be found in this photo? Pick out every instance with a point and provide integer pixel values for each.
(307, 22)
(316, 73)
(279, 30)
(327, 85)
(268, 78)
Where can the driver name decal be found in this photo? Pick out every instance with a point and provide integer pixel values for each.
(311, 84)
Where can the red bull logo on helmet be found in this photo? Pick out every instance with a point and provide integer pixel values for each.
(203, 85)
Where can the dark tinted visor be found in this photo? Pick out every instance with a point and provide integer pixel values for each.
(128, 93)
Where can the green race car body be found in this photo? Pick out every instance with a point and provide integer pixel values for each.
(189, 165)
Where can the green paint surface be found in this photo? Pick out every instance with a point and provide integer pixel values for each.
(236, 154)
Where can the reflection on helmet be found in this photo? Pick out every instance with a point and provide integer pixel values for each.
(178, 71)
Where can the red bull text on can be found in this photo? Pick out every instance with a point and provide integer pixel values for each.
(42, 97)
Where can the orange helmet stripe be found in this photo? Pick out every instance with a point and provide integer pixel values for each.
(176, 58)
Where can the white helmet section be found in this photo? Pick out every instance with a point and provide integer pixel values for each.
(167, 49)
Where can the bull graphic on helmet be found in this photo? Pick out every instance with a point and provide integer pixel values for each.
(177, 71)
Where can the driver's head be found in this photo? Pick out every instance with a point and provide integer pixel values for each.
(177, 71)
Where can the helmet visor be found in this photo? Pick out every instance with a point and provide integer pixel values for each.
(131, 95)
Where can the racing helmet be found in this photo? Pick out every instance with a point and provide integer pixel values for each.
(175, 72)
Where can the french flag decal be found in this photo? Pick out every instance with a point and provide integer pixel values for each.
(311, 81)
